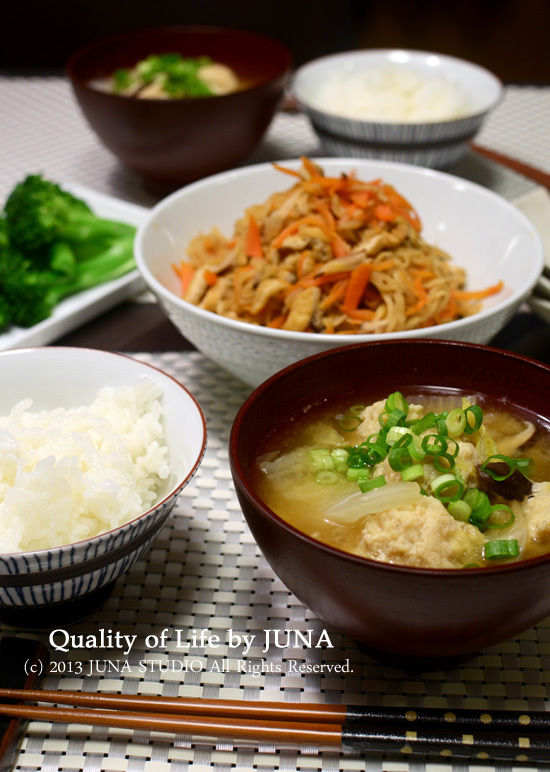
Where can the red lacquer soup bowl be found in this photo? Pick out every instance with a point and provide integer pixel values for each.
(173, 141)
(415, 612)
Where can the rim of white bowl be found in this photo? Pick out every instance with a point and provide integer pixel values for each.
(307, 104)
(173, 490)
(311, 337)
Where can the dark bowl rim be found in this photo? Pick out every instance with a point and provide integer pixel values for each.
(174, 490)
(307, 106)
(268, 513)
(213, 29)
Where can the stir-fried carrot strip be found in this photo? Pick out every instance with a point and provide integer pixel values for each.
(339, 246)
(311, 280)
(278, 321)
(422, 273)
(384, 212)
(337, 292)
(448, 312)
(210, 277)
(326, 214)
(357, 284)
(185, 272)
(383, 265)
(362, 198)
(253, 240)
(410, 216)
(284, 169)
(296, 225)
(478, 294)
(329, 185)
(310, 167)
(422, 296)
(330, 278)
(401, 206)
(361, 314)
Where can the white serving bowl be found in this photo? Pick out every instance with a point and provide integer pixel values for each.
(37, 585)
(484, 233)
(431, 143)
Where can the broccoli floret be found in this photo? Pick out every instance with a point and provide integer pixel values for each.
(28, 295)
(51, 246)
(39, 214)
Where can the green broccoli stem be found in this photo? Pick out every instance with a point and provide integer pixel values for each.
(83, 228)
(113, 264)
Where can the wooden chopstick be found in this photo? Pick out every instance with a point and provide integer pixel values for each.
(257, 731)
(504, 735)
(309, 712)
(463, 719)
(438, 742)
(537, 175)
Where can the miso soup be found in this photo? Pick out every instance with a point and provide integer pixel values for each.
(436, 479)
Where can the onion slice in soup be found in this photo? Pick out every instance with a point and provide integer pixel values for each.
(390, 496)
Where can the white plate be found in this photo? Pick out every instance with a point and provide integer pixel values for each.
(80, 308)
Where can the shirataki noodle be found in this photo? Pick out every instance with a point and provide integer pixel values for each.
(329, 255)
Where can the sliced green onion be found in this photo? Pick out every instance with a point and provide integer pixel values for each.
(501, 508)
(348, 423)
(395, 433)
(443, 462)
(399, 458)
(370, 440)
(369, 485)
(325, 477)
(477, 499)
(456, 421)
(404, 441)
(413, 472)
(415, 449)
(321, 459)
(453, 447)
(499, 549)
(395, 418)
(447, 487)
(358, 474)
(434, 445)
(460, 510)
(424, 423)
(357, 410)
(511, 462)
(441, 425)
(397, 401)
(340, 458)
(474, 419)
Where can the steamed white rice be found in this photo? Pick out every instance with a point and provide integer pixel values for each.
(392, 93)
(70, 474)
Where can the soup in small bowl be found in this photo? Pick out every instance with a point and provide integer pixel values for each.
(401, 491)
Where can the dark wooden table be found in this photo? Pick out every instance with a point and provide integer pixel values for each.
(135, 327)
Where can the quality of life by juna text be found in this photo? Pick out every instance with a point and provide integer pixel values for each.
(61, 640)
